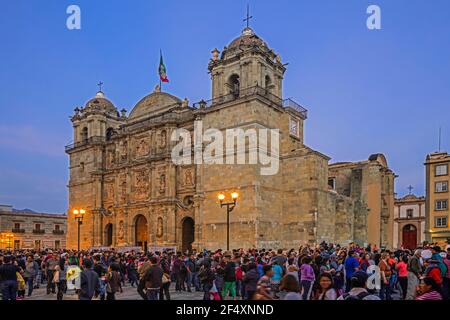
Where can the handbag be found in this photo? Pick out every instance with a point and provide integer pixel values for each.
(165, 278)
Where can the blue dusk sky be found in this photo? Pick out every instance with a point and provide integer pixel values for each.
(367, 91)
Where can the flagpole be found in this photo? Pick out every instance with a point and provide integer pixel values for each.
(160, 82)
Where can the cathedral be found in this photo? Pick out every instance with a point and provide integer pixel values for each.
(134, 195)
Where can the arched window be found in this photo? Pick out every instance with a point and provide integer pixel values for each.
(268, 82)
(234, 85)
(109, 133)
(84, 134)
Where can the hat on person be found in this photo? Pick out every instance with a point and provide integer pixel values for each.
(359, 279)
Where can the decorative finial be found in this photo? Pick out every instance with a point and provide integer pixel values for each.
(410, 188)
(157, 88)
(215, 54)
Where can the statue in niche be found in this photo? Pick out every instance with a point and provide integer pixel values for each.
(124, 151)
(159, 228)
(123, 189)
(111, 157)
(162, 184)
(188, 177)
(108, 191)
(142, 148)
(163, 138)
(121, 233)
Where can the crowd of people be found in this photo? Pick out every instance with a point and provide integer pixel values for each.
(322, 272)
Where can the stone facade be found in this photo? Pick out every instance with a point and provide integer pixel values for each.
(31, 230)
(122, 173)
(409, 222)
(371, 183)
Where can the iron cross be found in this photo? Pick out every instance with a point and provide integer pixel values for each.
(100, 84)
(248, 16)
(410, 188)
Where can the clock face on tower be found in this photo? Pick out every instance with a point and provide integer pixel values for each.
(293, 127)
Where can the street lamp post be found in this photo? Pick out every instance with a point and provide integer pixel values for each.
(230, 206)
(79, 214)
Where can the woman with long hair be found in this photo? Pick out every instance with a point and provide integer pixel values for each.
(326, 289)
(290, 288)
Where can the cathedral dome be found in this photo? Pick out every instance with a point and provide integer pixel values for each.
(247, 38)
(100, 103)
(154, 103)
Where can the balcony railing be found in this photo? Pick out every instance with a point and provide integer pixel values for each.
(249, 92)
(91, 140)
(14, 230)
(38, 231)
(58, 232)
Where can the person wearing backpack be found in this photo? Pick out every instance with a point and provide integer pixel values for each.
(358, 291)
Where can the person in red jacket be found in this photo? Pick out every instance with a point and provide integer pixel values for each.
(432, 271)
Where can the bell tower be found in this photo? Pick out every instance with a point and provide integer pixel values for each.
(247, 62)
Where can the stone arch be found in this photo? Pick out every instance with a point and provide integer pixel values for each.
(84, 134)
(187, 233)
(140, 231)
(109, 133)
(108, 238)
(234, 84)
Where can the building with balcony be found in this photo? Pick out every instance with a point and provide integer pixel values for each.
(26, 229)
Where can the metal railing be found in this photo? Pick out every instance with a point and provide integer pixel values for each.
(59, 232)
(95, 139)
(18, 230)
(38, 231)
(249, 92)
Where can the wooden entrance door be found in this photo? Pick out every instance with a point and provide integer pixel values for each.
(409, 236)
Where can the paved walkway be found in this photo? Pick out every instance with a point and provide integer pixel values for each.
(129, 293)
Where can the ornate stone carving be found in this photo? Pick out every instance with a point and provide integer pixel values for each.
(123, 188)
(108, 191)
(163, 139)
(188, 180)
(111, 158)
(121, 232)
(160, 227)
(141, 184)
(162, 184)
(124, 151)
(142, 148)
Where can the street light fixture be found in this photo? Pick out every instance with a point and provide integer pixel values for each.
(79, 214)
(230, 206)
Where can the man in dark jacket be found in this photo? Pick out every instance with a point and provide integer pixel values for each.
(250, 280)
(89, 282)
(206, 277)
(229, 278)
(153, 279)
(8, 278)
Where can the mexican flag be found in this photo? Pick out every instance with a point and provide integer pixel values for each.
(162, 70)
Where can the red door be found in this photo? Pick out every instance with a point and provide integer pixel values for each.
(409, 237)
